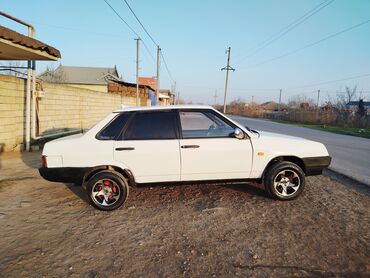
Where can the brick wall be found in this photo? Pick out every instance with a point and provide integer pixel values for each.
(63, 108)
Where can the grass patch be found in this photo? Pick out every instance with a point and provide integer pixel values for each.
(354, 131)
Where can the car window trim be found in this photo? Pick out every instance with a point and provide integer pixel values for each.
(111, 121)
(204, 110)
(147, 112)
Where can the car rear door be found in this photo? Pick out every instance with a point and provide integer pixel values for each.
(209, 151)
(149, 146)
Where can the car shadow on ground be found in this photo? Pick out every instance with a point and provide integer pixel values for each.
(251, 189)
(78, 190)
(31, 160)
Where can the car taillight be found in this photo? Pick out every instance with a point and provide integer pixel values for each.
(43, 162)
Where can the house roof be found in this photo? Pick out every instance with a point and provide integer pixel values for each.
(355, 103)
(149, 81)
(268, 102)
(81, 75)
(133, 85)
(165, 93)
(15, 46)
(270, 105)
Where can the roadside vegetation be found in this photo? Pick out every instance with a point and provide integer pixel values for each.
(360, 132)
(344, 114)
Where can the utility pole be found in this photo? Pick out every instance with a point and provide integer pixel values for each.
(318, 103)
(158, 66)
(318, 99)
(175, 93)
(215, 97)
(137, 71)
(279, 106)
(252, 99)
(227, 68)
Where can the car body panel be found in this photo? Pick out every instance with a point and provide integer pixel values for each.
(272, 145)
(166, 161)
(150, 160)
(216, 158)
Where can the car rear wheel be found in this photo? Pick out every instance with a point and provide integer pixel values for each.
(107, 190)
(284, 180)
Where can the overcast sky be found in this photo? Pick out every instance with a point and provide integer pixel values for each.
(195, 34)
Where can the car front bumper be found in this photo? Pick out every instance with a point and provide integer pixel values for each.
(315, 165)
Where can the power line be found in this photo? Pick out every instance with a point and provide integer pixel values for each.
(155, 43)
(124, 21)
(311, 44)
(147, 50)
(290, 27)
(85, 31)
(331, 81)
(146, 31)
(291, 88)
(165, 64)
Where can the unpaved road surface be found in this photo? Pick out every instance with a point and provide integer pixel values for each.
(47, 229)
(350, 154)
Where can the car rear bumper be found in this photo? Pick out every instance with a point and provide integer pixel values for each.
(315, 165)
(63, 174)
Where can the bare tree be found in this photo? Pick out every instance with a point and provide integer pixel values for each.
(237, 101)
(297, 100)
(52, 74)
(351, 93)
(345, 97)
(330, 100)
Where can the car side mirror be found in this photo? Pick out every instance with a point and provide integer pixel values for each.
(239, 134)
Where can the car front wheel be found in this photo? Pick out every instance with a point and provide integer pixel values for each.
(284, 180)
(107, 190)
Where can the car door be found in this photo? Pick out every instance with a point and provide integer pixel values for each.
(149, 146)
(209, 151)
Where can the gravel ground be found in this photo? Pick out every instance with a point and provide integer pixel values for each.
(49, 230)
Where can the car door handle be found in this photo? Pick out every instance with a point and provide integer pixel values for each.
(125, 149)
(190, 146)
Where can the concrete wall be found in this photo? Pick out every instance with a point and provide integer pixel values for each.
(63, 108)
(12, 103)
(98, 88)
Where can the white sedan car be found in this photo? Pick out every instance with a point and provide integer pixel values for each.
(185, 143)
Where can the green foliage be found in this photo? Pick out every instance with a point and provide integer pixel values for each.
(359, 132)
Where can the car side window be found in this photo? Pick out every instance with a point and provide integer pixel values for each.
(151, 125)
(112, 130)
(204, 124)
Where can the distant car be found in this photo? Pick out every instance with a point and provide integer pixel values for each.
(186, 144)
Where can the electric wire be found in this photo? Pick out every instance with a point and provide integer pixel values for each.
(310, 44)
(154, 42)
(331, 81)
(146, 31)
(167, 69)
(290, 88)
(128, 26)
(289, 27)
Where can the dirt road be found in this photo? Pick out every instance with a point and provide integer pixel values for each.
(47, 229)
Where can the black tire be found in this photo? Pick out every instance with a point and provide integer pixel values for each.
(292, 172)
(118, 187)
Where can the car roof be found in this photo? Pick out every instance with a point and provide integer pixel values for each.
(167, 107)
